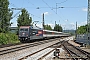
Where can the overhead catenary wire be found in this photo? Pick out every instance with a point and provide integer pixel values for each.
(51, 9)
(32, 7)
(62, 2)
(48, 6)
(30, 2)
(12, 5)
(61, 7)
(72, 7)
(15, 8)
(34, 15)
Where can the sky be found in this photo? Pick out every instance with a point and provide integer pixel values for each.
(73, 11)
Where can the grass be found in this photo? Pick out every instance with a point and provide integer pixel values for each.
(8, 38)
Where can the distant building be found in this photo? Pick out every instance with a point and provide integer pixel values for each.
(14, 29)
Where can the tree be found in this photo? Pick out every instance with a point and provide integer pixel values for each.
(82, 29)
(47, 27)
(24, 19)
(58, 28)
(5, 16)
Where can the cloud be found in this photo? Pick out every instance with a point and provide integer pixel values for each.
(40, 25)
(72, 24)
(66, 20)
(45, 13)
(82, 23)
(69, 26)
(84, 9)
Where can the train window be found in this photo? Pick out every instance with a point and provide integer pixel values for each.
(21, 29)
(24, 29)
(48, 32)
(34, 31)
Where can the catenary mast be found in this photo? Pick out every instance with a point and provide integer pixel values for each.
(88, 20)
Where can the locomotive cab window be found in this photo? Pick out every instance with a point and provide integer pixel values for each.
(23, 29)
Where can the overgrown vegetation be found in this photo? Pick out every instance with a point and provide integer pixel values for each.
(5, 16)
(82, 29)
(24, 18)
(8, 38)
(58, 28)
(47, 27)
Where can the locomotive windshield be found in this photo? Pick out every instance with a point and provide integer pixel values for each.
(23, 29)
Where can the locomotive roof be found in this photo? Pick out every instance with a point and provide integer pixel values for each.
(24, 26)
(32, 27)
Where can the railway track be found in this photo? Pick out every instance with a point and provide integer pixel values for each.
(41, 54)
(9, 49)
(71, 52)
(8, 45)
(75, 52)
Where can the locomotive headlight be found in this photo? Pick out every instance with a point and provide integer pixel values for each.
(26, 35)
(26, 38)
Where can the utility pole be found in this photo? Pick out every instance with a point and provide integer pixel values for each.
(76, 31)
(43, 22)
(55, 23)
(88, 22)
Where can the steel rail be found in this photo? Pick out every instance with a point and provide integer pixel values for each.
(36, 52)
(71, 52)
(13, 49)
(84, 52)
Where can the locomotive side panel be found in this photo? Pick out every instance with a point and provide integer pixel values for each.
(36, 34)
(27, 33)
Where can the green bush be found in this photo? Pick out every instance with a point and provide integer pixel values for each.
(8, 38)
